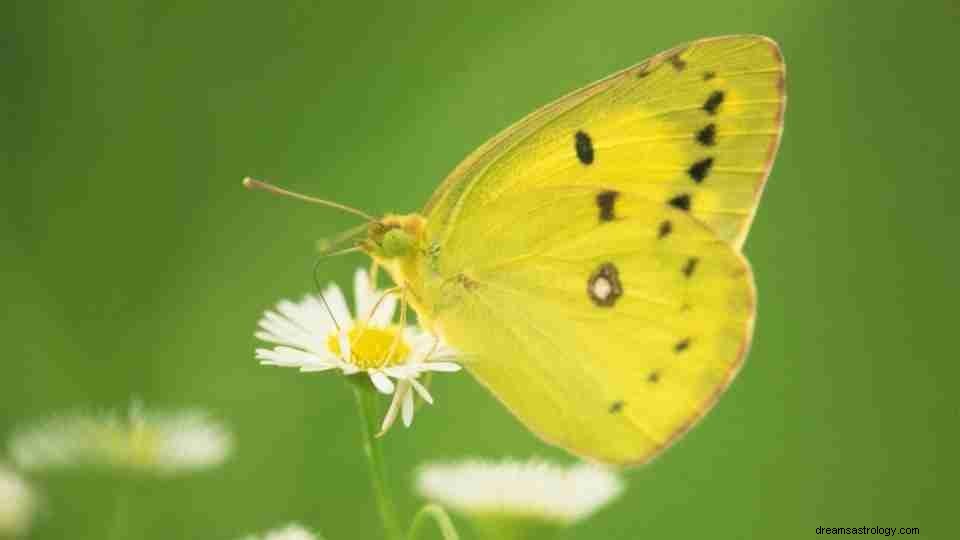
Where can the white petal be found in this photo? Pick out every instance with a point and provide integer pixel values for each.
(366, 297)
(534, 490)
(363, 294)
(175, 441)
(263, 354)
(446, 367)
(292, 531)
(321, 322)
(338, 305)
(420, 342)
(391, 416)
(407, 408)
(308, 314)
(422, 390)
(403, 371)
(317, 367)
(284, 332)
(19, 503)
(444, 350)
(385, 311)
(287, 357)
(344, 339)
(263, 335)
(381, 381)
(452, 358)
(423, 344)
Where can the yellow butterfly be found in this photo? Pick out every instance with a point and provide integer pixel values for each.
(587, 259)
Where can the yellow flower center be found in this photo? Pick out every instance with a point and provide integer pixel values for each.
(144, 443)
(371, 347)
(132, 446)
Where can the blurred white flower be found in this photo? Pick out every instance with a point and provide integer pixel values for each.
(17, 504)
(292, 531)
(157, 442)
(311, 338)
(535, 490)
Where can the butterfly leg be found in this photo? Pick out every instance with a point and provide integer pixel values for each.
(376, 306)
(433, 349)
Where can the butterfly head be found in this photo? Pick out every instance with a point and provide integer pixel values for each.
(394, 237)
(399, 245)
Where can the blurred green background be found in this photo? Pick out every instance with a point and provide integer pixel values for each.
(133, 264)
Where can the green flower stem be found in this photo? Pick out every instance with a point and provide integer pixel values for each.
(120, 524)
(444, 523)
(367, 402)
(492, 527)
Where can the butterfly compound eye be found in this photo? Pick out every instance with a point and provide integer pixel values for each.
(396, 243)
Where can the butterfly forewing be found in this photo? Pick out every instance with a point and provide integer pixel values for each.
(696, 127)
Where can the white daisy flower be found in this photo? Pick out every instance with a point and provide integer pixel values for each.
(17, 504)
(534, 490)
(157, 442)
(307, 338)
(292, 531)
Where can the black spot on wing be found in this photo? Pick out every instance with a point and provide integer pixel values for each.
(681, 202)
(653, 377)
(682, 345)
(699, 170)
(583, 144)
(665, 228)
(678, 63)
(616, 406)
(605, 203)
(713, 102)
(690, 266)
(603, 286)
(708, 135)
(707, 75)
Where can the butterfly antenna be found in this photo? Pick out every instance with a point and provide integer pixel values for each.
(251, 183)
(327, 246)
(343, 251)
(316, 281)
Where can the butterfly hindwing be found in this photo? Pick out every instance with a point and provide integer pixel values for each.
(606, 322)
